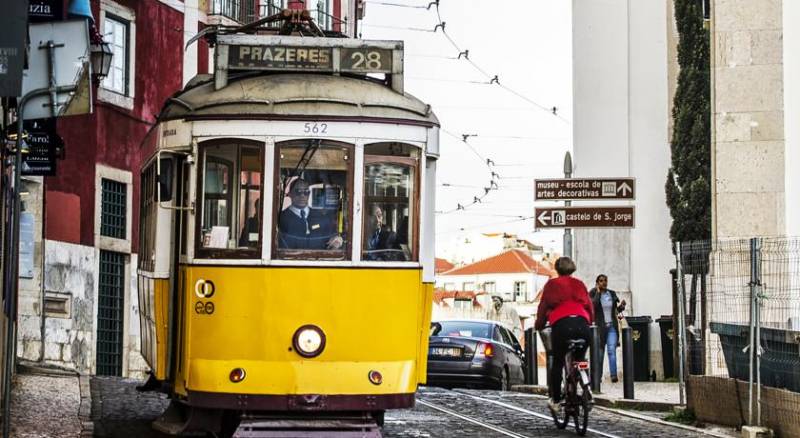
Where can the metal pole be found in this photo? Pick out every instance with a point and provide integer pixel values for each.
(568, 231)
(11, 265)
(681, 328)
(757, 306)
(531, 354)
(595, 354)
(627, 363)
(751, 346)
(12, 280)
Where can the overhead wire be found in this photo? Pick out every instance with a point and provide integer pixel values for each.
(490, 224)
(490, 80)
(400, 5)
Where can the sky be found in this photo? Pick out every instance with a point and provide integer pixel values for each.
(528, 45)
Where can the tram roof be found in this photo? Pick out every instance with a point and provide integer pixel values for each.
(288, 96)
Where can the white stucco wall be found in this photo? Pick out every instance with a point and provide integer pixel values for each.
(791, 87)
(620, 128)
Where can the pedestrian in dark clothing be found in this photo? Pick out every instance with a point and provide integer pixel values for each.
(606, 317)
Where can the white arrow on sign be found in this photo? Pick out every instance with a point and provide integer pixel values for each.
(544, 217)
(625, 189)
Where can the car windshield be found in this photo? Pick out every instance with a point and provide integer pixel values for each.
(461, 328)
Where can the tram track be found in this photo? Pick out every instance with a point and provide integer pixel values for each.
(503, 405)
(452, 413)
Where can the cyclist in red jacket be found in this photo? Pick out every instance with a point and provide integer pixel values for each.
(566, 306)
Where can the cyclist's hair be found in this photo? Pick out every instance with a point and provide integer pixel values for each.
(565, 266)
(600, 276)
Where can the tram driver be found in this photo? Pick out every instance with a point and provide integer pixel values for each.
(302, 227)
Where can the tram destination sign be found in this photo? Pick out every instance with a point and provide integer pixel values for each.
(365, 59)
(585, 217)
(578, 189)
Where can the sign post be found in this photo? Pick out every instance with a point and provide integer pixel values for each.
(567, 203)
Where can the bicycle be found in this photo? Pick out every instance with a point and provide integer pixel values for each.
(577, 393)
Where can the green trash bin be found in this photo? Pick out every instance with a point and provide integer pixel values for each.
(640, 331)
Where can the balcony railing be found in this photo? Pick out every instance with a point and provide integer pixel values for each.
(242, 11)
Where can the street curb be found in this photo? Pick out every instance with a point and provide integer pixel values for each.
(650, 419)
(85, 409)
(608, 402)
(618, 409)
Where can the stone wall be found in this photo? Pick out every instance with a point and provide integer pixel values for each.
(71, 273)
(748, 154)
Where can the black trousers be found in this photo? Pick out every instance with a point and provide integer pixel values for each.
(565, 329)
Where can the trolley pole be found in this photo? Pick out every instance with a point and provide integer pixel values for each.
(568, 231)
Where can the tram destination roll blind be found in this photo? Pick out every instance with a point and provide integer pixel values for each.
(309, 58)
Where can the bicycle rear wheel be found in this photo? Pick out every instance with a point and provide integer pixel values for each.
(583, 405)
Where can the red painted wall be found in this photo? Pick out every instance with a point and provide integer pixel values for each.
(113, 135)
(202, 52)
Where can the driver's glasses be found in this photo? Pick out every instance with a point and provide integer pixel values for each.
(300, 192)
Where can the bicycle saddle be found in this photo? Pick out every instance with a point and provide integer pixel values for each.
(576, 344)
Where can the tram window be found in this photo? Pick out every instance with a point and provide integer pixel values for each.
(313, 202)
(231, 216)
(390, 202)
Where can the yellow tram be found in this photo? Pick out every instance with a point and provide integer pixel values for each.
(287, 229)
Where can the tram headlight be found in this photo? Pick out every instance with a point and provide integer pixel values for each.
(309, 341)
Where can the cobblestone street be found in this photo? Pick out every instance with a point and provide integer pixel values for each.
(118, 410)
(45, 406)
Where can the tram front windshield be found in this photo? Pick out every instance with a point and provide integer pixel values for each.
(313, 220)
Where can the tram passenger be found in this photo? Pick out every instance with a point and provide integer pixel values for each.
(381, 237)
(302, 227)
(249, 235)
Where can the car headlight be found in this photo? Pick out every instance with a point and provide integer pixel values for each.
(309, 341)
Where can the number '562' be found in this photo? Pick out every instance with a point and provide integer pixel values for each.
(315, 128)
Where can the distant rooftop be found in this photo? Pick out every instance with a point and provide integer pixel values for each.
(513, 261)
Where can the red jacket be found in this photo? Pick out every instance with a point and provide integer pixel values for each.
(563, 296)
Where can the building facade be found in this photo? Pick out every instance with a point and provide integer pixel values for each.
(755, 103)
(78, 305)
(621, 119)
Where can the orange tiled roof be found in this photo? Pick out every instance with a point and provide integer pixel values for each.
(439, 295)
(513, 261)
(443, 265)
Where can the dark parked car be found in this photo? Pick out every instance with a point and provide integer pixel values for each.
(474, 353)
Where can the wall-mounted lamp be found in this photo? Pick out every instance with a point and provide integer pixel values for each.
(101, 54)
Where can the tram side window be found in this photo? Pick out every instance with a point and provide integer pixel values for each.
(147, 223)
(231, 217)
(390, 202)
(313, 200)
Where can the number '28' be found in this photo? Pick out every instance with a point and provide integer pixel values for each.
(370, 61)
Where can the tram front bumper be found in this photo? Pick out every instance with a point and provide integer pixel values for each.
(301, 385)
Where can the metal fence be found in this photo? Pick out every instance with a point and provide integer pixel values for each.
(740, 297)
